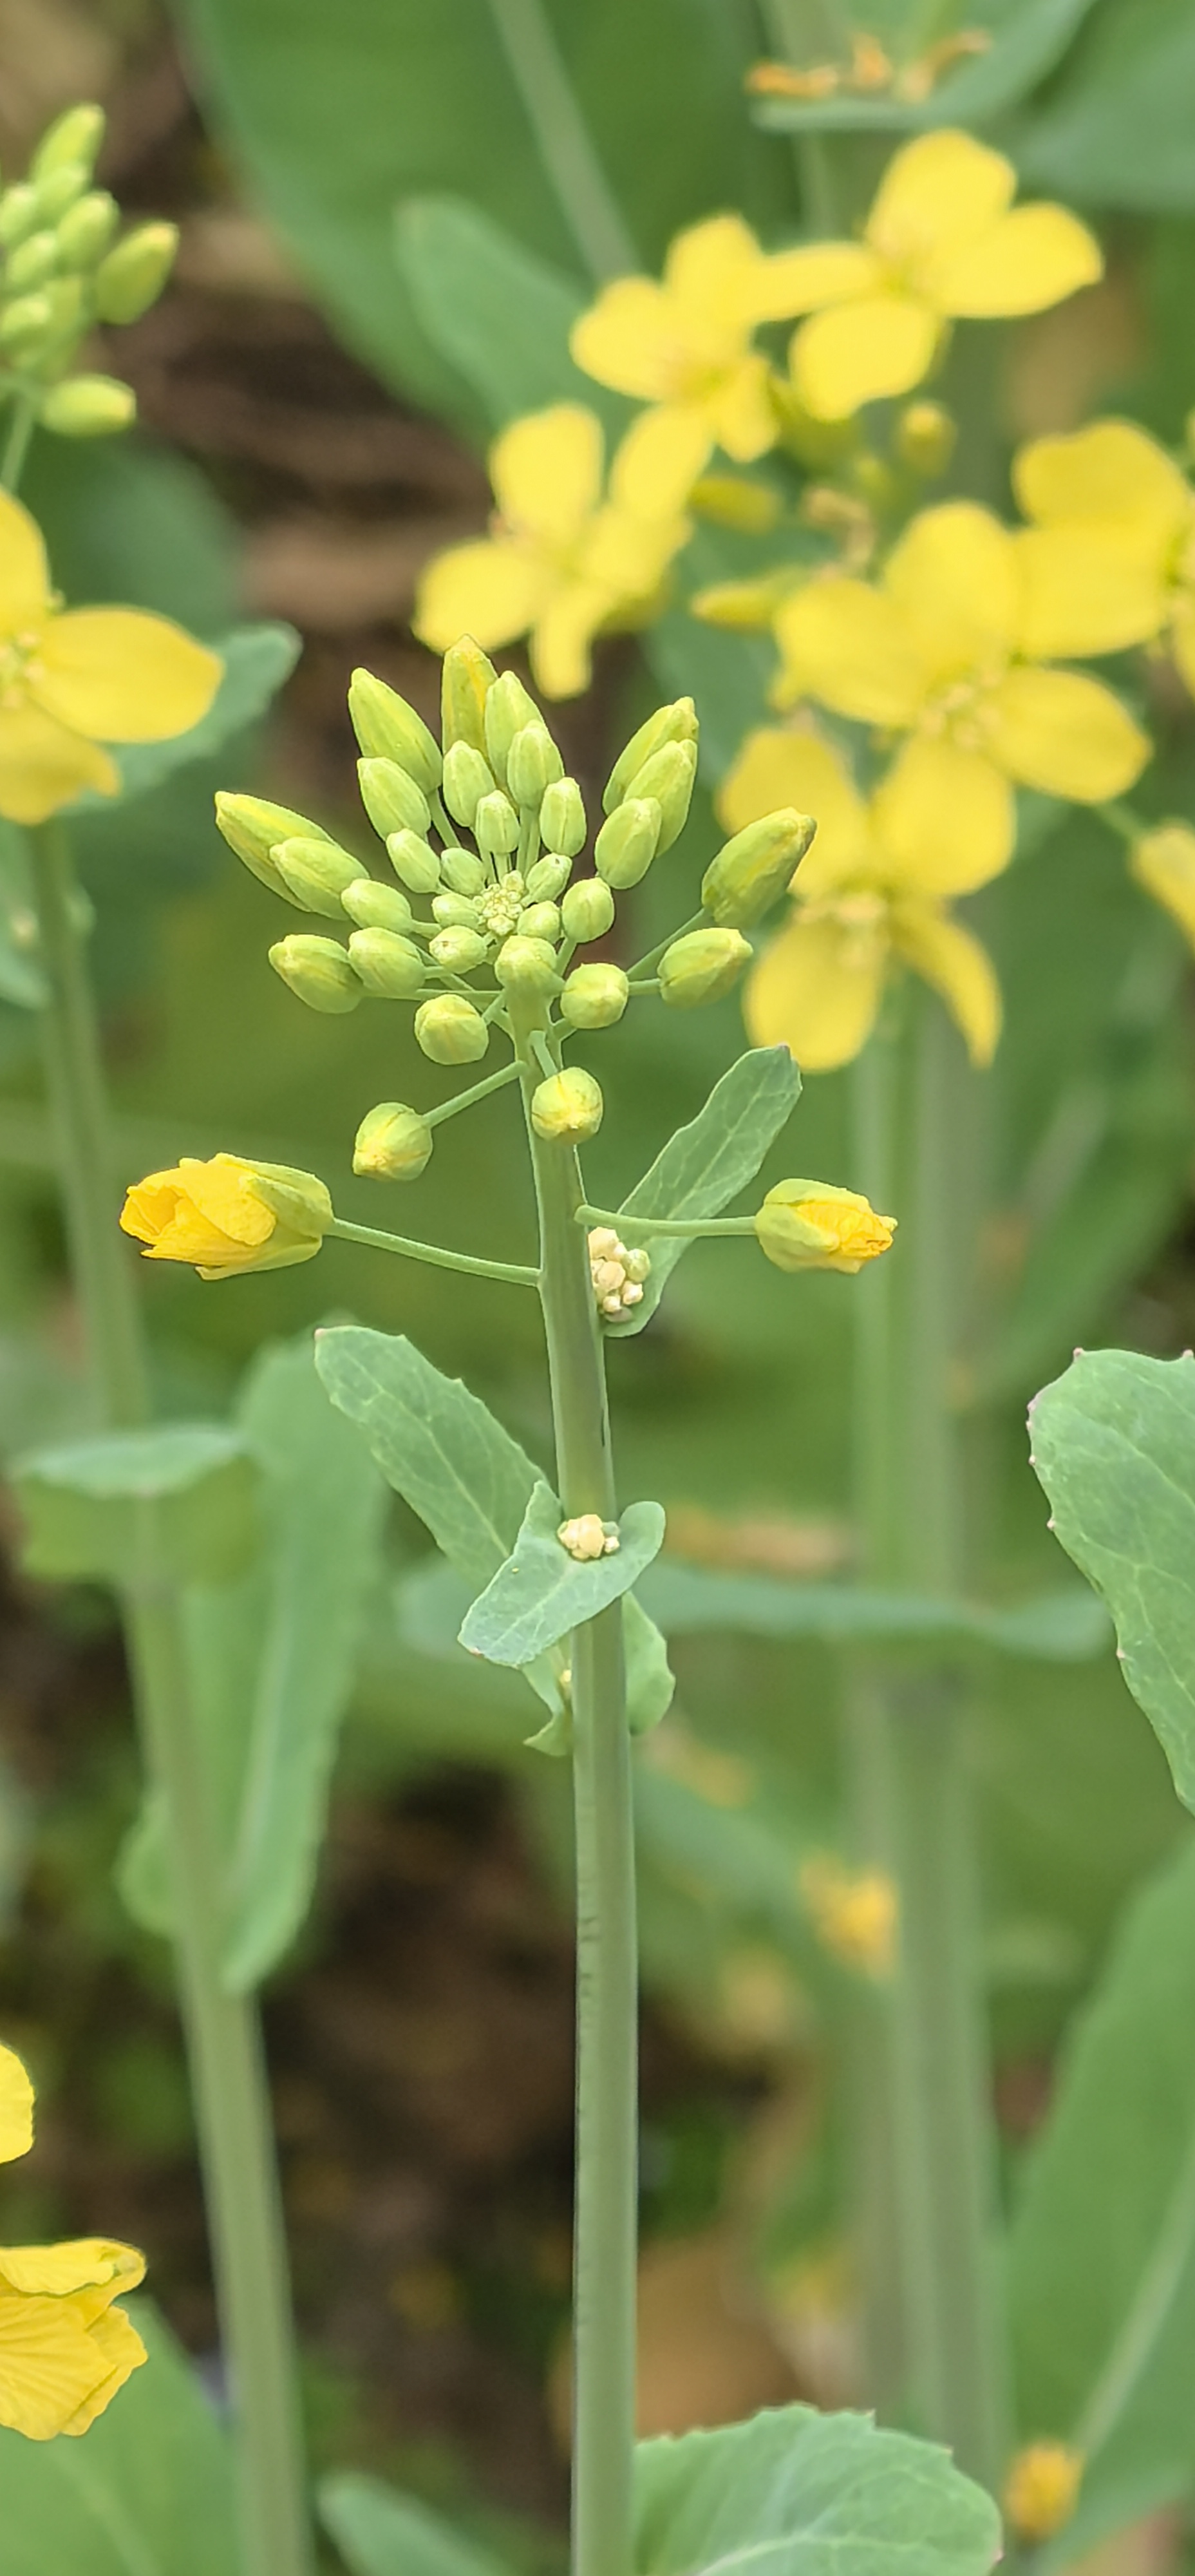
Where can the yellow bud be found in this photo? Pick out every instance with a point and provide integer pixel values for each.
(701, 967)
(587, 911)
(628, 841)
(527, 966)
(458, 949)
(594, 997)
(496, 824)
(508, 707)
(253, 827)
(1042, 2489)
(533, 764)
(450, 1030)
(567, 1108)
(388, 729)
(88, 407)
(315, 873)
(393, 1143)
(73, 138)
(229, 1215)
(562, 818)
(547, 879)
(392, 799)
(677, 723)
(668, 778)
(1163, 861)
(467, 677)
(732, 501)
(375, 907)
(133, 274)
(854, 1914)
(87, 228)
(462, 872)
(32, 263)
(754, 868)
(813, 1225)
(414, 860)
(388, 965)
(19, 214)
(925, 436)
(742, 607)
(319, 971)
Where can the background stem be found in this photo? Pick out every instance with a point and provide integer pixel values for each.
(566, 147)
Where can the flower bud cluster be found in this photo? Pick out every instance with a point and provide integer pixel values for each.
(617, 1274)
(62, 270)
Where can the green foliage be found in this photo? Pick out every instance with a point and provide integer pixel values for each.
(705, 1165)
(1028, 39)
(541, 1593)
(500, 315)
(257, 659)
(381, 2533)
(1058, 1627)
(1117, 132)
(140, 1507)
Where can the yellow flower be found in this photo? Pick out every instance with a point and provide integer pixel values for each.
(1111, 557)
(1042, 2489)
(814, 1225)
(565, 559)
(229, 1215)
(942, 648)
(73, 680)
(942, 242)
(64, 2349)
(1163, 861)
(870, 895)
(854, 1914)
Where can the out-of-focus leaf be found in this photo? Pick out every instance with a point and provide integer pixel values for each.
(1118, 131)
(541, 1593)
(172, 1505)
(438, 1445)
(651, 1681)
(257, 659)
(707, 1163)
(382, 2533)
(1028, 37)
(432, 1599)
(1061, 1627)
(496, 311)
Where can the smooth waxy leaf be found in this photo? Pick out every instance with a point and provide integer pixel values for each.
(1027, 38)
(685, 1599)
(707, 1163)
(496, 312)
(257, 659)
(132, 1507)
(1118, 132)
(382, 2533)
(542, 1593)
(432, 1600)
(795, 2493)
(1114, 1446)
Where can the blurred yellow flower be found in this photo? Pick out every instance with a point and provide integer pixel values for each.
(870, 896)
(942, 242)
(940, 648)
(1042, 2489)
(566, 558)
(228, 1215)
(1163, 862)
(72, 680)
(64, 2349)
(854, 1913)
(1112, 551)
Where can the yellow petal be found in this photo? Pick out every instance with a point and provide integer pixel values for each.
(44, 766)
(802, 281)
(546, 470)
(847, 644)
(1110, 471)
(817, 990)
(16, 2108)
(856, 353)
(92, 2270)
(1064, 734)
(742, 412)
(122, 676)
(1163, 862)
(561, 659)
(656, 465)
(953, 578)
(624, 556)
(1089, 589)
(954, 962)
(492, 590)
(944, 818)
(1182, 636)
(626, 339)
(222, 1190)
(944, 187)
(710, 272)
(1033, 257)
(61, 2359)
(24, 574)
(774, 769)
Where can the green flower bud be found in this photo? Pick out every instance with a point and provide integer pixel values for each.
(387, 964)
(668, 776)
(64, 295)
(31, 264)
(750, 874)
(587, 910)
(527, 966)
(457, 912)
(701, 967)
(594, 997)
(388, 729)
(75, 136)
(547, 879)
(315, 873)
(539, 921)
(508, 707)
(253, 828)
(533, 764)
(925, 436)
(499, 906)
(59, 190)
(628, 841)
(392, 799)
(458, 949)
(496, 824)
(393, 1143)
(462, 872)
(88, 407)
(376, 907)
(87, 228)
(319, 971)
(414, 860)
(133, 274)
(567, 1108)
(25, 324)
(19, 214)
(562, 818)
(467, 778)
(677, 723)
(467, 677)
(450, 1030)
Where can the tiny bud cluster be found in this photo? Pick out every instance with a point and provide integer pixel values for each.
(587, 1538)
(617, 1274)
(62, 270)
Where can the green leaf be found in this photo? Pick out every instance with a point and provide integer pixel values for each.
(1060, 1627)
(1114, 1447)
(432, 1600)
(796, 2493)
(1028, 39)
(257, 659)
(381, 2533)
(438, 1445)
(1118, 132)
(707, 1163)
(147, 2492)
(172, 1505)
(500, 315)
(651, 1681)
(542, 1593)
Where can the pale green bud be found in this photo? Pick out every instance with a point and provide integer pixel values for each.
(567, 1108)
(414, 860)
(462, 872)
(594, 997)
(393, 1143)
(753, 870)
(376, 907)
(467, 677)
(88, 407)
(87, 228)
(925, 436)
(64, 295)
(508, 708)
(319, 971)
(253, 827)
(315, 872)
(75, 136)
(497, 825)
(31, 264)
(134, 272)
(458, 950)
(668, 777)
(547, 879)
(539, 921)
(562, 818)
(388, 729)
(450, 1030)
(59, 190)
(587, 910)
(456, 912)
(628, 841)
(677, 723)
(387, 964)
(392, 799)
(526, 966)
(533, 764)
(467, 778)
(19, 214)
(701, 967)
(26, 323)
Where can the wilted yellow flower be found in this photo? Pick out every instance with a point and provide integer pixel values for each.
(229, 1215)
(942, 648)
(869, 896)
(1042, 2489)
(854, 1913)
(566, 557)
(1112, 553)
(72, 680)
(815, 1225)
(64, 2349)
(942, 242)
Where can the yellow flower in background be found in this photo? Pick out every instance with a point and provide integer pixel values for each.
(940, 649)
(229, 1215)
(854, 1913)
(64, 2349)
(72, 680)
(566, 558)
(1042, 2489)
(870, 896)
(943, 242)
(1112, 550)
(1163, 862)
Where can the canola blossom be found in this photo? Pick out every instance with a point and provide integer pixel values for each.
(1112, 542)
(814, 1225)
(228, 1215)
(943, 242)
(65, 2349)
(73, 680)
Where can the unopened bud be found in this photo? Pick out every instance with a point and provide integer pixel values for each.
(88, 407)
(319, 971)
(253, 827)
(668, 777)
(540, 921)
(24, 324)
(1163, 861)
(467, 778)
(742, 607)
(567, 1108)
(393, 1143)
(32, 263)
(392, 799)
(467, 677)
(628, 841)
(753, 870)
(457, 912)
(547, 879)
(676, 723)
(925, 436)
(496, 825)
(414, 860)
(527, 966)
(587, 910)
(588, 1537)
(19, 214)
(315, 872)
(87, 228)
(701, 967)
(388, 729)
(594, 997)
(387, 963)
(376, 907)
(462, 871)
(533, 764)
(732, 501)
(64, 296)
(458, 950)
(74, 137)
(60, 189)
(562, 818)
(814, 1225)
(508, 707)
(132, 275)
(450, 1030)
